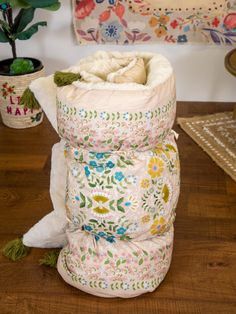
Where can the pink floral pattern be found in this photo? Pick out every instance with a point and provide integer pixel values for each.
(100, 22)
(122, 192)
(123, 182)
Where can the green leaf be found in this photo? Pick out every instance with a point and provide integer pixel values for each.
(140, 261)
(128, 162)
(110, 254)
(53, 7)
(83, 258)
(90, 202)
(82, 204)
(19, 4)
(3, 37)
(121, 209)
(120, 200)
(23, 18)
(5, 26)
(30, 31)
(93, 221)
(118, 263)
(92, 185)
(44, 4)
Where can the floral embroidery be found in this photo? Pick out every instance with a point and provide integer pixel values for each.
(123, 267)
(155, 167)
(138, 125)
(145, 183)
(119, 176)
(101, 199)
(131, 203)
(145, 219)
(7, 90)
(165, 193)
(158, 226)
(115, 199)
(111, 31)
(84, 8)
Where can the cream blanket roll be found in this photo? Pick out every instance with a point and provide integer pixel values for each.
(122, 181)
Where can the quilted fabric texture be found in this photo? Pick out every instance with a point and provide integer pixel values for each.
(122, 176)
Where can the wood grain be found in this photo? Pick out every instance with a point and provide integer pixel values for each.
(202, 277)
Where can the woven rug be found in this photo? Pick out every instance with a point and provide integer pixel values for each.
(216, 135)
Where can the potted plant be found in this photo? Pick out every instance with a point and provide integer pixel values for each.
(17, 73)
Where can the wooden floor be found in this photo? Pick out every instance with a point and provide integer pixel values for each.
(202, 277)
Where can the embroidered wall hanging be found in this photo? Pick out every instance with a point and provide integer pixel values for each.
(150, 21)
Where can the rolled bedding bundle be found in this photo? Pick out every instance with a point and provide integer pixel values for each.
(119, 177)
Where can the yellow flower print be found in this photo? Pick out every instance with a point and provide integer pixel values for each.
(101, 210)
(155, 167)
(164, 19)
(165, 193)
(65, 153)
(160, 150)
(145, 219)
(153, 21)
(170, 147)
(145, 183)
(158, 226)
(160, 32)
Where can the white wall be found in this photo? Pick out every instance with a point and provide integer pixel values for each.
(199, 69)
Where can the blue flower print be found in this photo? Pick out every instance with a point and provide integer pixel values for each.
(182, 39)
(100, 168)
(93, 163)
(111, 239)
(111, 2)
(97, 237)
(88, 228)
(77, 198)
(101, 234)
(111, 31)
(76, 153)
(148, 114)
(103, 115)
(186, 28)
(119, 176)
(126, 116)
(121, 230)
(110, 164)
(87, 172)
(82, 113)
(127, 204)
(99, 155)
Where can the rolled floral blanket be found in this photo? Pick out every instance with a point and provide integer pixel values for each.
(116, 185)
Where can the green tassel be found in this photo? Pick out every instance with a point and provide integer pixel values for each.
(65, 78)
(15, 250)
(50, 258)
(28, 100)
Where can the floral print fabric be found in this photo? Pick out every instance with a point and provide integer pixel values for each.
(140, 21)
(122, 186)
